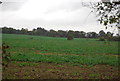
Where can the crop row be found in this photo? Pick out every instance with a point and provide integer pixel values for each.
(89, 60)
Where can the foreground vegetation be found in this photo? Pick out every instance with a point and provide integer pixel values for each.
(31, 70)
(38, 52)
(60, 50)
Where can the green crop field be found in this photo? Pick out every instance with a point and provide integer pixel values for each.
(61, 50)
(34, 57)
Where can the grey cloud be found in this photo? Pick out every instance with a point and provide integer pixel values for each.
(14, 0)
(12, 5)
(74, 21)
(70, 6)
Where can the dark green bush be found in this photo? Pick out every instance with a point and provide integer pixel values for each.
(113, 38)
(70, 38)
(70, 35)
(101, 39)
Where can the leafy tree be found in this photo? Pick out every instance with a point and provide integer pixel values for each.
(88, 35)
(52, 33)
(8, 30)
(62, 33)
(24, 31)
(0, 2)
(82, 34)
(94, 35)
(40, 31)
(34, 31)
(30, 32)
(102, 33)
(109, 34)
(76, 34)
(109, 12)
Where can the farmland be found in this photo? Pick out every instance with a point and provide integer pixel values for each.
(77, 59)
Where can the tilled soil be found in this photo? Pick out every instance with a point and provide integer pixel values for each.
(59, 71)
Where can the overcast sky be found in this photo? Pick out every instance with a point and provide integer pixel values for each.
(49, 14)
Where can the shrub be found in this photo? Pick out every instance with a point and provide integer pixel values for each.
(70, 38)
(5, 55)
(113, 38)
(101, 39)
(70, 35)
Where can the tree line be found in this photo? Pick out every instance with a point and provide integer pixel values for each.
(60, 33)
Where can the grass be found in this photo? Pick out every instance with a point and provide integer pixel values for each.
(94, 76)
(26, 64)
(53, 70)
(75, 73)
(60, 66)
(89, 60)
(58, 45)
(61, 50)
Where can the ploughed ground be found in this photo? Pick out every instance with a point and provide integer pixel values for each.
(58, 71)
